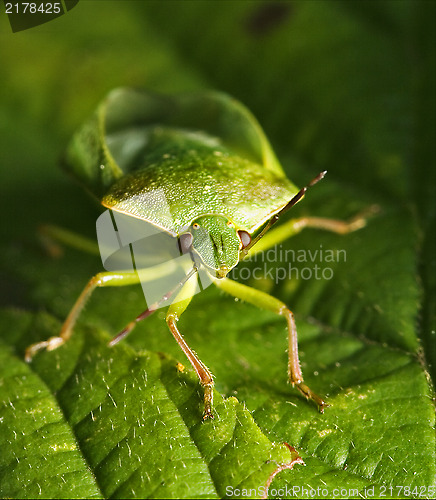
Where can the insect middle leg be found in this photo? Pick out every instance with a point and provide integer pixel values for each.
(174, 312)
(295, 226)
(265, 301)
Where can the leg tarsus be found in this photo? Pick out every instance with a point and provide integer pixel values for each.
(208, 402)
(309, 394)
(49, 345)
(355, 223)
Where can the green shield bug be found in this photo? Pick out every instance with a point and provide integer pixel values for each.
(223, 187)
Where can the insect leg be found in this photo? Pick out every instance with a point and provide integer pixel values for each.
(51, 236)
(153, 307)
(265, 301)
(174, 312)
(120, 278)
(295, 226)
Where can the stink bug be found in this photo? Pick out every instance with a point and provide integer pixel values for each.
(224, 189)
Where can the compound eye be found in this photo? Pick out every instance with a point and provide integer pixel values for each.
(185, 242)
(245, 238)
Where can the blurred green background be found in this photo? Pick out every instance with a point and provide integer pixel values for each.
(337, 85)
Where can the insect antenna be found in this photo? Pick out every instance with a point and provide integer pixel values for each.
(153, 307)
(290, 204)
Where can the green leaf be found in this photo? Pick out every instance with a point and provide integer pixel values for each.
(342, 86)
(119, 424)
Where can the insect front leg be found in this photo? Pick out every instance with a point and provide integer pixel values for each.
(183, 293)
(119, 278)
(265, 301)
(174, 312)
